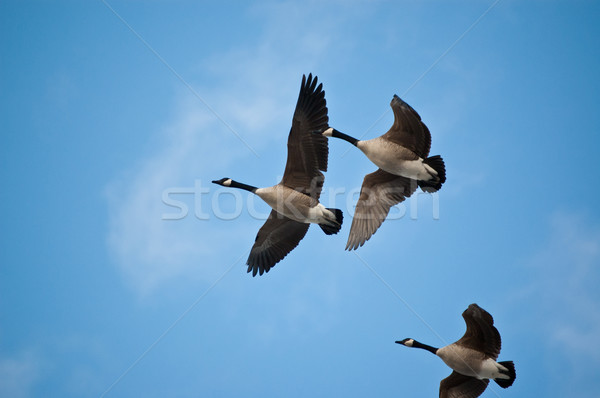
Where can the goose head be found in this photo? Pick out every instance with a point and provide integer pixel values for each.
(407, 342)
(328, 132)
(226, 182)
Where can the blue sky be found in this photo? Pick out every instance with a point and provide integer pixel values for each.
(101, 295)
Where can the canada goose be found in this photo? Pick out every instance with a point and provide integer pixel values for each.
(472, 358)
(401, 155)
(295, 200)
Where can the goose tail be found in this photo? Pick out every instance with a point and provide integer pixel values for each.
(510, 372)
(437, 163)
(334, 227)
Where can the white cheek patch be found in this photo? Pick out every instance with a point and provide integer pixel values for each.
(227, 182)
(328, 132)
(409, 342)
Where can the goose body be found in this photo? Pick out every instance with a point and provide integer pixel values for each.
(295, 200)
(396, 159)
(296, 205)
(472, 358)
(402, 157)
(469, 362)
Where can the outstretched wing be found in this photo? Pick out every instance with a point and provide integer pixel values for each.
(460, 386)
(408, 130)
(307, 148)
(380, 191)
(481, 334)
(277, 237)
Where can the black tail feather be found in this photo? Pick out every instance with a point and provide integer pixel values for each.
(437, 163)
(505, 383)
(333, 229)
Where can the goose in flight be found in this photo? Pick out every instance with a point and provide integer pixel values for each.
(402, 157)
(472, 358)
(295, 200)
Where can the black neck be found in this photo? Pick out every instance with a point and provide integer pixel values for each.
(239, 185)
(429, 348)
(344, 137)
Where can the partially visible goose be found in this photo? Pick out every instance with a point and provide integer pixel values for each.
(472, 358)
(402, 157)
(295, 200)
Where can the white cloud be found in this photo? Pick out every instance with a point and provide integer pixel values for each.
(18, 375)
(568, 285)
(148, 248)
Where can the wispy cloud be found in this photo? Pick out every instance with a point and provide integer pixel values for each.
(18, 374)
(248, 87)
(148, 248)
(568, 285)
(558, 304)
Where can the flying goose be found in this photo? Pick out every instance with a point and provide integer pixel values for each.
(472, 358)
(295, 200)
(402, 157)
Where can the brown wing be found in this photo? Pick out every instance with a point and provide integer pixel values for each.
(307, 151)
(277, 237)
(481, 334)
(460, 386)
(408, 130)
(380, 191)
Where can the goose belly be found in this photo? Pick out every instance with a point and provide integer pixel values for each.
(395, 159)
(463, 360)
(415, 169)
(469, 362)
(289, 203)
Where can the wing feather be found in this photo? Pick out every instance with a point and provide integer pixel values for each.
(307, 151)
(277, 237)
(460, 386)
(481, 334)
(379, 192)
(408, 130)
